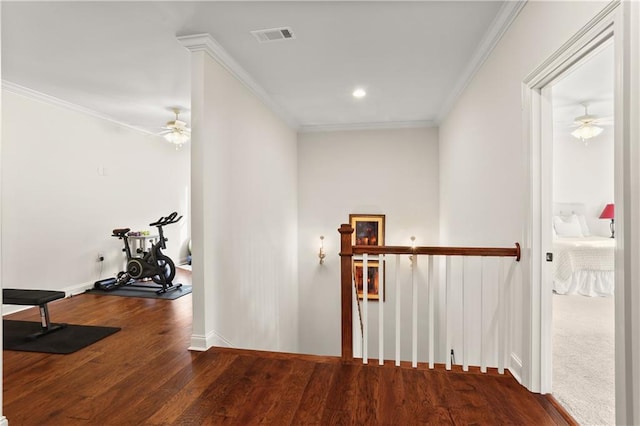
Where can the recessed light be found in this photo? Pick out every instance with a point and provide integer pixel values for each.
(359, 93)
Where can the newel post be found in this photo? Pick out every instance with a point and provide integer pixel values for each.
(346, 255)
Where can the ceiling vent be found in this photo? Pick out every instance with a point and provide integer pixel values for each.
(273, 34)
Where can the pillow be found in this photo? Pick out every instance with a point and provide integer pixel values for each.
(567, 226)
(583, 225)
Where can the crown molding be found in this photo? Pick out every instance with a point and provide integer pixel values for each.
(52, 100)
(206, 43)
(503, 20)
(366, 126)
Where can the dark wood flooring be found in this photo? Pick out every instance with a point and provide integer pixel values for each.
(144, 375)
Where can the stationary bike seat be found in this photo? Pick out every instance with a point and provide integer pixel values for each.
(120, 232)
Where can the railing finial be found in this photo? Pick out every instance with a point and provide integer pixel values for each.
(345, 231)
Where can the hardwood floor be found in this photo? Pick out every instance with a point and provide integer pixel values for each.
(144, 375)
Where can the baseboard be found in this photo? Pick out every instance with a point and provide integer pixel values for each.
(515, 367)
(77, 289)
(202, 343)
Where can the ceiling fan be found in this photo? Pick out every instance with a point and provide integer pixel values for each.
(588, 126)
(176, 131)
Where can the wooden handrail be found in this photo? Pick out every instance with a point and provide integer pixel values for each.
(347, 250)
(440, 251)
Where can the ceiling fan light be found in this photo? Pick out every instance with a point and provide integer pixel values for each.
(586, 131)
(177, 138)
(179, 133)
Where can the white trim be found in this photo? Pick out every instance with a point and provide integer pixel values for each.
(575, 50)
(627, 200)
(198, 343)
(366, 126)
(3, 419)
(503, 20)
(515, 367)
(78, 289)
(52, 100)
(546, 245)
(12, 309)
(202, 343)
(206, 43)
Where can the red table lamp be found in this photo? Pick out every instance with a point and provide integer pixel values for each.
(607, 213)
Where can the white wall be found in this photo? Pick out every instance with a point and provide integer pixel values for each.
(391, 172)
(482, 163)
(58, 211)
(3, 420)
(584, 174)
(244, 172)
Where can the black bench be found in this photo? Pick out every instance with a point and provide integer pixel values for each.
(12, 296)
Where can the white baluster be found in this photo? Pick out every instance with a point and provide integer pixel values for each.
(365, 309)
(483, 361)
(502, 320)
(432, 314)
(447, 300)
(397, 310)
(381, 310)
(465, 365)
(414, 285)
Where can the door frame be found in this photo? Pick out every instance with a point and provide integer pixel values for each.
(618, 22)
(538, 141)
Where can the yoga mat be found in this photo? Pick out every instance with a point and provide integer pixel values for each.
(148, 292)
(63, 341)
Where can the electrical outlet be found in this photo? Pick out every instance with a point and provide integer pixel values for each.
(100, 257)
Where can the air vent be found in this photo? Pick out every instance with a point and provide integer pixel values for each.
(273, 34)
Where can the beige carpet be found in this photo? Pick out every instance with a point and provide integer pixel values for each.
(583, 357)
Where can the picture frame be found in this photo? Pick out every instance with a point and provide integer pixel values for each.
(368, 229)
(373, 279)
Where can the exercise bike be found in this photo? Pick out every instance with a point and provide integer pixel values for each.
(152, 264)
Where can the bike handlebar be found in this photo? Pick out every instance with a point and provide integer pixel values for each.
(166, 220)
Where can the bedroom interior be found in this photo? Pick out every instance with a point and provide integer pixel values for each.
(583, 246)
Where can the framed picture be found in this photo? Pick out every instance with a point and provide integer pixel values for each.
(368, 229)
(373, 279)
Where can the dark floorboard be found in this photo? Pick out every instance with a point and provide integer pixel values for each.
(144, 375)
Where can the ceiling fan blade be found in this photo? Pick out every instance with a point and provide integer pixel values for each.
(565, 123)
(604, 120)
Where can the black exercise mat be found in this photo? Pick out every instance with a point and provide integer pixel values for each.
(64, 341)
(142, 291)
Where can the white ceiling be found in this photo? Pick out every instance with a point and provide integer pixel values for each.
(589, 83)
(122, 60)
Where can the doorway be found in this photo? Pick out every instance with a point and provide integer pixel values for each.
(619, 21)
(582, 271)
(538, 137)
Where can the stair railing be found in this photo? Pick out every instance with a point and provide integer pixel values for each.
(381, 254)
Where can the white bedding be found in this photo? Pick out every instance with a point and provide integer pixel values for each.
(584, 266)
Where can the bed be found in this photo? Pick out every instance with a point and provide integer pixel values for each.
(583, 263)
